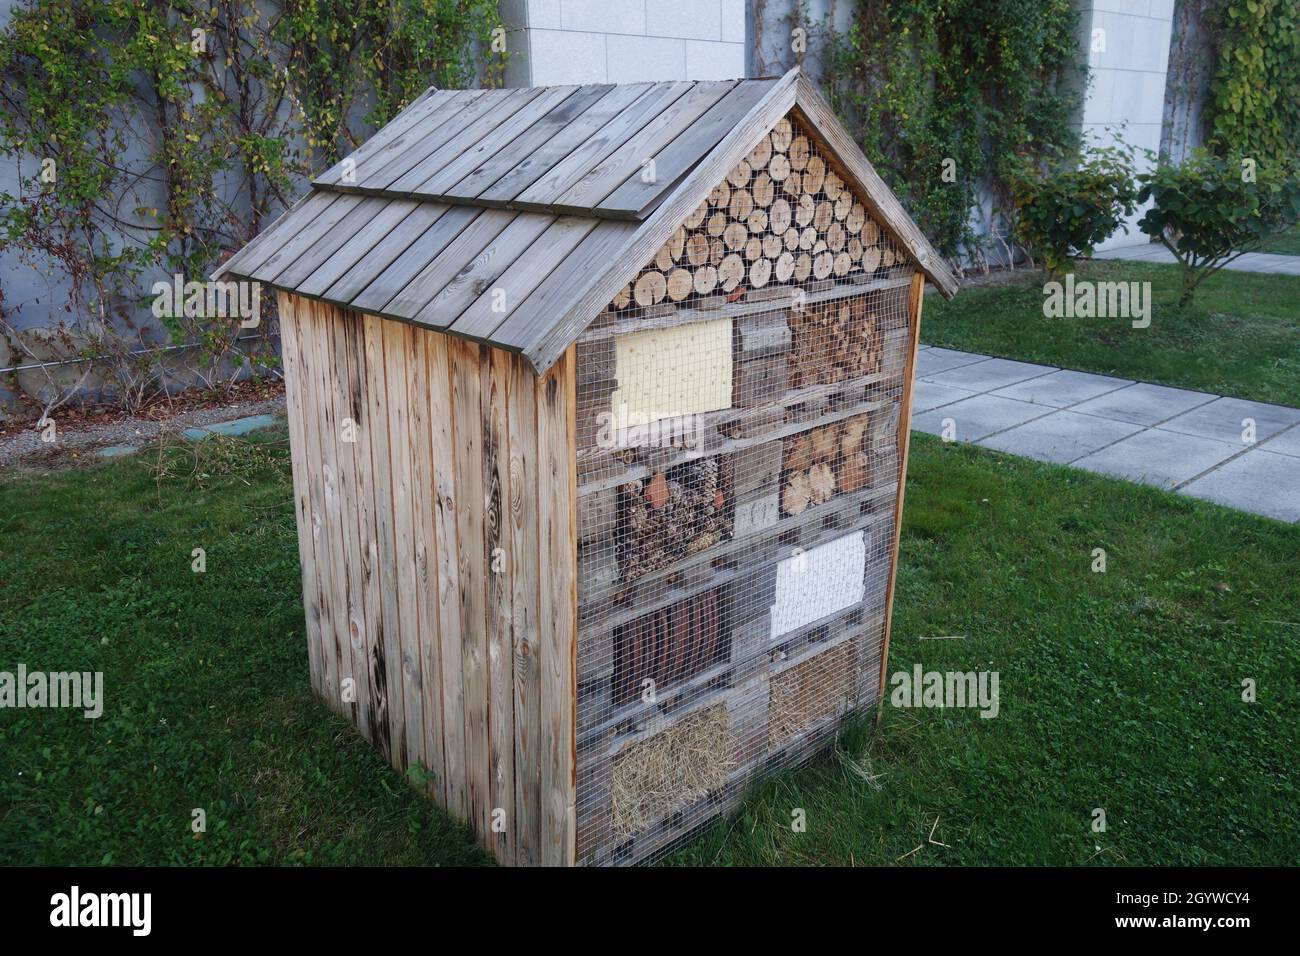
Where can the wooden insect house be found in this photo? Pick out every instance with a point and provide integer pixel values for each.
(598, 400)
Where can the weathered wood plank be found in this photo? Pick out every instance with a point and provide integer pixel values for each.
(626, 161)
(390, 163)
(303, 238)
(562, 176)
(309, 333)
(423, 403)
(472, 240)
(525, 583)
(367, 534)
(290, 319)
(557, 636)
(676, 158)
(501, 568)
(914, 305)
(342, 386)
(465, 359)
(423, 250)
(446, 501)
(326, 248)
(388, 649)
(465, 139)
(266, 242)
(550, 140)
(484, 154)
(389, 217)
(421, 117)
(548, 254)
(383, 254)
(396, 351)
(479, 275)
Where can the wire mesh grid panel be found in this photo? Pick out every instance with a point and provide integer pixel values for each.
(738, 469)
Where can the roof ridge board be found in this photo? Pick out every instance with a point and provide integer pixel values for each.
(547, 127)
(578, 132)
(464, 140)
(582, 159)
(655, 230)
(606, 177)
(709, 128)
(878, 197)
(468, 159)
(394, 133)
(397, 161)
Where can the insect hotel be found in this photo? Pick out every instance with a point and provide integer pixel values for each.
(598, 399)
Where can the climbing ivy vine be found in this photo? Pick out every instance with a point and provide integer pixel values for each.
(152, 137)
(946, 96)
(1255, 91)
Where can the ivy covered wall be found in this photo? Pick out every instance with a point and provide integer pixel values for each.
(146, 138)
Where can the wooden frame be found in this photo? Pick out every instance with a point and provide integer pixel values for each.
(434, 489)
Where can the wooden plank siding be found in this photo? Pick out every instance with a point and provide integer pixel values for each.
(438, 556)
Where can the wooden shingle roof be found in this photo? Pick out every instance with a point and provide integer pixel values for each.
(512, 217)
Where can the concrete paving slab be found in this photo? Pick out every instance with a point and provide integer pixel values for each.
(1286, 443)
(1224, 419)
(1062, 387)
(977, 417)
(240, 426)
(1144, 404)
(986, 376)
(934, 360)
(1060, 437)
(1160, 458)
(117, 451)
(928, 395)
(1259, 481)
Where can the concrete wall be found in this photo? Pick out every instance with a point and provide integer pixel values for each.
(1126, 89)
(624, 41)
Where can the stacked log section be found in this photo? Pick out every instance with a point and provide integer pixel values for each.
(781, 215)
(823, 462)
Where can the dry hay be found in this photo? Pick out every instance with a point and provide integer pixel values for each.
(808, 693)
(671, 770)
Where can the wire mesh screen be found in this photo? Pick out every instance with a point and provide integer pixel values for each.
(738, 465)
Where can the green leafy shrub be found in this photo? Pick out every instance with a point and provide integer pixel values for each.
(1210, 209)
(1071, 205)
(943, 94)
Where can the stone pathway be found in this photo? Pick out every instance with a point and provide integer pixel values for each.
(1192, 442)
(1250, 262)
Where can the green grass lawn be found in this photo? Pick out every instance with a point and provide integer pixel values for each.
(1287, 244)
(1119, 690)
(1240, 337)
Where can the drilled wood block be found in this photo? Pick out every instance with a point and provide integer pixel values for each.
(760, 381)
(598, 516)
